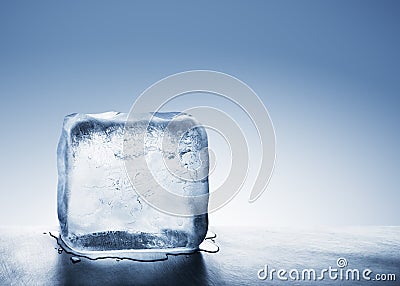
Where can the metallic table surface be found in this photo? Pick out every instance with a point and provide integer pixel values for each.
(29, 257)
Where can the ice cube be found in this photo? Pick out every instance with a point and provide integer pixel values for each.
(98, 207)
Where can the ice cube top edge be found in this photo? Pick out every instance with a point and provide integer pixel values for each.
(121, 116)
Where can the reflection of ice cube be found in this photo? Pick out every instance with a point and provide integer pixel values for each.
(98, 207)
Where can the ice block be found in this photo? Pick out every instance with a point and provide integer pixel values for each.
(98, 206)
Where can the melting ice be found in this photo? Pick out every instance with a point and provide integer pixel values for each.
(98, 207)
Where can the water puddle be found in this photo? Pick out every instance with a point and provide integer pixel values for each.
(208, 245)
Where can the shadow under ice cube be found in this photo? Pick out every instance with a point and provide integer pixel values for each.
(98, 207)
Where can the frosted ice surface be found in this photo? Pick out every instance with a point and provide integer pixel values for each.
(98, 207)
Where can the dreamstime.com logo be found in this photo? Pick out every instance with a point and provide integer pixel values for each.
(340, 272)
(219, 85)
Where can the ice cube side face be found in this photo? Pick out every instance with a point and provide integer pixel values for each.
(98, 208)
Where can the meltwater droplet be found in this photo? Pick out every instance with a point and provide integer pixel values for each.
(210, 235)
(208, 246)
(60, 250)
(75, 259)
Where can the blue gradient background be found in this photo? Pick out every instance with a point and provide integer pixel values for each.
(328, 72)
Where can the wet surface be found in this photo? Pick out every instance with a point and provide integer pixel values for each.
(30, 257)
